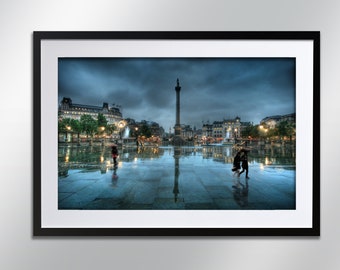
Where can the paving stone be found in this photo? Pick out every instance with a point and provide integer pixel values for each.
(198, 182)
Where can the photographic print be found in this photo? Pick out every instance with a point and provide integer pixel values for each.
(166, 133)
(176, 133)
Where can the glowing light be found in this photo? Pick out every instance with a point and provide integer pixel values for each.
(121, 124)
(267, 161)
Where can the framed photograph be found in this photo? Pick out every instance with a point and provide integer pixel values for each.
(176, 134)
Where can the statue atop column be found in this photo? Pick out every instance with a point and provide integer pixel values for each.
(178, 140)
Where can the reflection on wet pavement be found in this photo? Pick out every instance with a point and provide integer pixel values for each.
(174, 178)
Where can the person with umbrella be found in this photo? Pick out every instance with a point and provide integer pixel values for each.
(237, 164)
(244, 160)
(114, 152)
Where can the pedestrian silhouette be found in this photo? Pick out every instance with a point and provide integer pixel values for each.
(114, 152)
(244, 160)
(237, 164)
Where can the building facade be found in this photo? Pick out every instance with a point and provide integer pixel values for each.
(228, 129)
(68, 109)
(231, 128)
(207, 130)
(271, 121)
(217, 129)
(187, 132)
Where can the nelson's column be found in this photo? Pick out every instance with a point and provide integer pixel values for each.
(178, 140)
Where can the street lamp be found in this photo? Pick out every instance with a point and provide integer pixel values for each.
(101, 130)
(68, 128)
(121, 125)
(235, 135)
(136, 134)
(263, 131)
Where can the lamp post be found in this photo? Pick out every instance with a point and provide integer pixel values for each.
(235, 135)
(68, 129)
(136, 134)
(101, 130)
(121, 126)
(263, 132)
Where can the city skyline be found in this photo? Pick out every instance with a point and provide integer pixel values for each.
(212, 89)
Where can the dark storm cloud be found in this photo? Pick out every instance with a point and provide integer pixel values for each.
(212, 89)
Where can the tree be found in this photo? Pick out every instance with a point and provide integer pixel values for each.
(101, 124)
(286, 129)
(76, 127)
(251, 130)
(272, 132)
(255, 131)
(88, 125)
(263, 131)
(145, 131)
(110, 128)
(64, 126)
(247, 131)
(101, 120)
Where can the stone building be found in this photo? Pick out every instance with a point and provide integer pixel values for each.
(68, 109)
(207, 130)
(187, 132)
(231, 128)
(271, 121)
(217, 129)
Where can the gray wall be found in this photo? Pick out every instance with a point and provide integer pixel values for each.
(18, 250)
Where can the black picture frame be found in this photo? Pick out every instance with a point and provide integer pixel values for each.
(39, 37)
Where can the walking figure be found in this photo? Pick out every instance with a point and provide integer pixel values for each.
(237, 164)
(114, 152)
(244, 160)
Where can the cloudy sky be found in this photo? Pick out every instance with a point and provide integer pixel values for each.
(212, 89)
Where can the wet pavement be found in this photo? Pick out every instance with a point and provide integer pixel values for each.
(167, 178)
